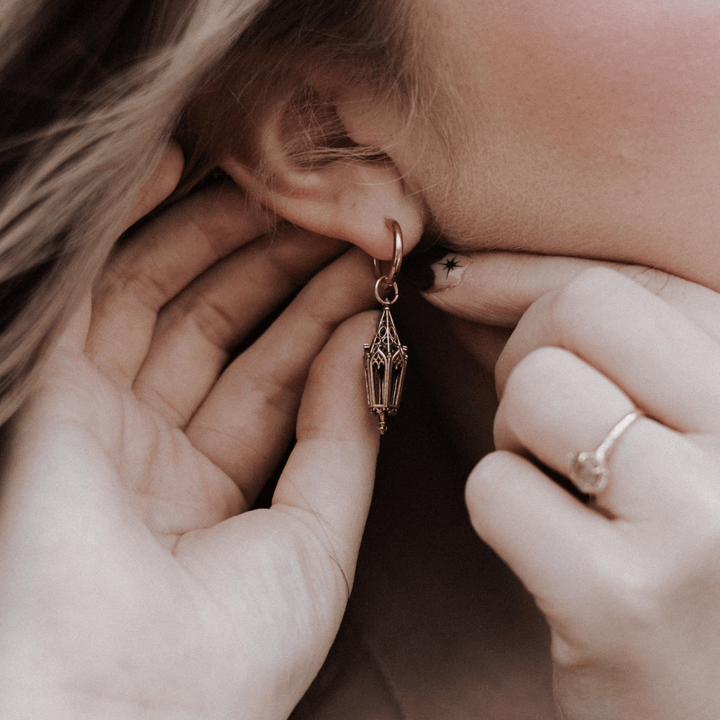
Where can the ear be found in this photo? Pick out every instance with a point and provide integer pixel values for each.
(350, 199)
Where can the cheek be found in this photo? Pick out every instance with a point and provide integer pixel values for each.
(609, 78)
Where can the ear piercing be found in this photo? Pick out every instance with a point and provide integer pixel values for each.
(386, 358)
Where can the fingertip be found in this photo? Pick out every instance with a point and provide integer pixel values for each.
(484, 485)
(75, 328)
(172, 164)
(159, 185)
(329, 475)
(335, 402)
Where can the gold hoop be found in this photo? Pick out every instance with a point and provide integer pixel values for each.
(396, 259)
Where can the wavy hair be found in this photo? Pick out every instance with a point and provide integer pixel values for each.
(90, 93)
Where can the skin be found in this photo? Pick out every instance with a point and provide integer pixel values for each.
(591, 132)
(579, 180)
(588, 129)
(585, 147)
(137, 581)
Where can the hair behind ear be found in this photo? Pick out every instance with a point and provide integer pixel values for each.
(279, 61)
(90, 93)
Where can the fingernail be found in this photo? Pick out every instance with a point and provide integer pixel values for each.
(449, 271)
(433, 274)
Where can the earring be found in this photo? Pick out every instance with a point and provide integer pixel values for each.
(386, 358)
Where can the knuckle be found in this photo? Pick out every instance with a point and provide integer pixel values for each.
(211, 319)
(316, 545)
(640, 590)
(491, 467)
(486, 484)
(585, 302)
(536, 370)
(631, 591)
(701, 543)
(584, 290)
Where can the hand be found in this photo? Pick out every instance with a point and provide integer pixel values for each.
(135, 581)
(629, 583)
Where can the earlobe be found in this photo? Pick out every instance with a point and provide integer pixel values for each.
(350, 198)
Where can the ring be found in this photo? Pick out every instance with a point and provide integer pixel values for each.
(588, 470)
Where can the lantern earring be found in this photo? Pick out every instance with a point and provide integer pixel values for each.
(386, 358)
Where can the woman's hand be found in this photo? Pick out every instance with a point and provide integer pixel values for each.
(134, 580)
(630, 582)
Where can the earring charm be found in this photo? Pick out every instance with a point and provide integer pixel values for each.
(385, 357)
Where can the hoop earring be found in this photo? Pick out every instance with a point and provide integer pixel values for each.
(386, 358)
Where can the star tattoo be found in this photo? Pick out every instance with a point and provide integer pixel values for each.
(450, 264)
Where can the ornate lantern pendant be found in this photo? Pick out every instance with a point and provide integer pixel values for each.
(385, 364)
(386, 358)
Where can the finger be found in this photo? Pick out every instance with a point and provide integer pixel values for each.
(555, 405)
(327, 482)
(195, 331)
(663, 362)
(304, 549)
(497, 288)
(155, 265)
(540, 530)
(158, 187)
(247, 420)
(74, 333)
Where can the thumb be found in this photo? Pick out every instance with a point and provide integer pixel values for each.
(329, 476)
(158, 186)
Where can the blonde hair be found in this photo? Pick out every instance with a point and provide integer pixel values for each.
(72, 172)
(80, 142)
